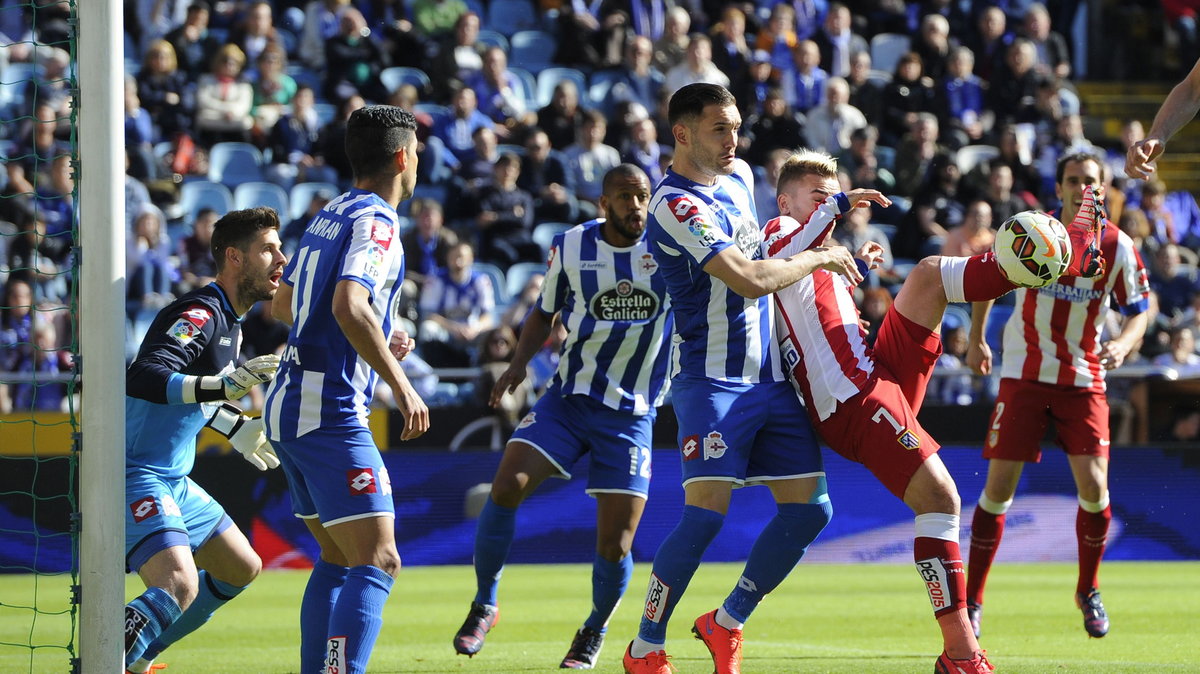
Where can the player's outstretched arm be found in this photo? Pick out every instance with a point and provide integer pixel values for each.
(353, 312)
(533, 336)
(979, 354)
(1178, 109)
(755, 278)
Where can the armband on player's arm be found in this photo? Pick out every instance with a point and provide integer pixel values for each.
(232, 386)
(245, 434)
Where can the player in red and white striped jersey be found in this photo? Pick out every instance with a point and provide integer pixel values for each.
(863, 400)
(1053, 368)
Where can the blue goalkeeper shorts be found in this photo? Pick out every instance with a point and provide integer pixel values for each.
(165, 512)
(564, 428)
(336, 475)
(743, 433)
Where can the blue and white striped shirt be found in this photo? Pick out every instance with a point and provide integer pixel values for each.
(322, 382)
(614, 305)
(721, 334)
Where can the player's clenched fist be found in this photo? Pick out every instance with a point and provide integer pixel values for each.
(253, 372)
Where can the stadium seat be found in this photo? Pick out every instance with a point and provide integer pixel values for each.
(518, 275)
(396, 76)
(886, 50)
(304, 75)
(432, 109)
(499, 287)
(528, 87)
(301, 196)
(437, 193)
(255, 194)
(956, 316)
(493, 39)
(532, 50)
(880, 77)
(970, 156)
(994, 335)
(197, 194)
(233, 163)
(518, 150)
(550, 77)
(325, 112)
(511, 16)
(544, 233)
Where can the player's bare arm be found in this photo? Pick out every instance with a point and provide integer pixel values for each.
(1114, 351)
(755, 278)
(1181, 107)
(533, 335)
(281, 306)
(979, 354)
(352, 310)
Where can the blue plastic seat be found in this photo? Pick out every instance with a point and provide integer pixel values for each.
(393, 78)
(550, 77)
(532, 50)
(511, 16)
(234, 163)
(253, 195)
(301, 196)
(197, 194)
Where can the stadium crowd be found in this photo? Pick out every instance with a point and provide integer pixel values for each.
(956, 110)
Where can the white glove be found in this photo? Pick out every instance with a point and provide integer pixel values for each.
(245, 434)
(253, 372)
(250, 441)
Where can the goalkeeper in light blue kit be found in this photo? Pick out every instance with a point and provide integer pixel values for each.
(181, 381)
(339, 297)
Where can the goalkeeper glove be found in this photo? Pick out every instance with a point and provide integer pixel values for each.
(245, 434)
(232, 386)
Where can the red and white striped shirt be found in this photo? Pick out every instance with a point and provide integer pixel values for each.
(1053, 336)
(819, 333)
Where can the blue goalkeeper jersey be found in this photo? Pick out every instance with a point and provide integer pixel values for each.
(615, 308)
(198, 334)
(721, 335)
(322, 381)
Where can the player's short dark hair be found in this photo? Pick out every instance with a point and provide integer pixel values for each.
(238, 228)
(1078, 156)
(374, 134)
(625, 170)
(689, 102)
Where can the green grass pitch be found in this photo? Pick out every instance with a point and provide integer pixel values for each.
(862, 618)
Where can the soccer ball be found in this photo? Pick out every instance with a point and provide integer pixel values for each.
(1033, 249)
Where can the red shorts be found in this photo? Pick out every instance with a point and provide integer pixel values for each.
(878, 427)
(1024, 407)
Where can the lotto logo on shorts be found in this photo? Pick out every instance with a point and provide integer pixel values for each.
(937, 582)
(656, 599)
(335, 656)
(361, 481)
(143, 508)
(169, 507)
(714, 446)
(691, 447)
(909, 440)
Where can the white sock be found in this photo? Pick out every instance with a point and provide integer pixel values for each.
(994, 507)
(727, 621)
(953, 269)
(640, 648)
(1096, 507)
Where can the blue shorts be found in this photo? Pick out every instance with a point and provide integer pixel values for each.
(166, 512)
(743, 433)
(336, 475)
(564, 428)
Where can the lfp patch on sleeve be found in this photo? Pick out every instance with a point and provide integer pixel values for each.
(184, 331)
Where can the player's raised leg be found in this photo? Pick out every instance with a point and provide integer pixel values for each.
(228, 565)
(617, 518)
(938, 280)
(987, 530)
(370, 548)
(1091, 530)
(521, 470)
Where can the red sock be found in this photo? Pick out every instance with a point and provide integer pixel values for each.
(1092, 531)
(986, 531)
(940, 564)
(983, 280)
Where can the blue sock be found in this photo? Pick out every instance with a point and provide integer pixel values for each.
(674, 564)
(212, 595)
(609, 580)
(146, 617)
(776, 550)
(493, 537)
(320, 595)
(357, 618)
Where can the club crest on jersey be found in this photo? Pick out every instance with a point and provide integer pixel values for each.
(909, 440)
(714, 446)
(691, 447)
(625, 301)
(197, 315)
(993, 438)
(143, 509)
(529, 420)
(381, 233)
(656, 599)
(361, 481)
(183, 331)
(646, 266)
